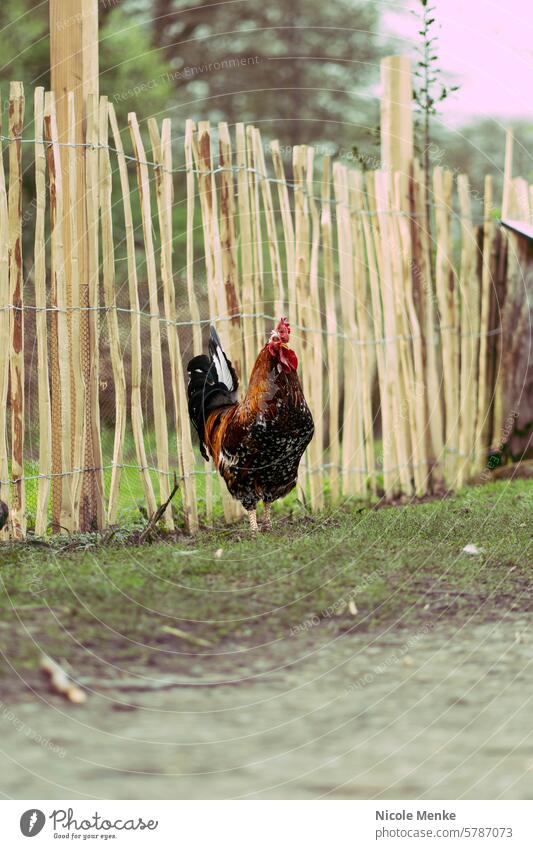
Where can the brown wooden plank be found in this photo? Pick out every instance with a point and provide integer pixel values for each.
(158, 384)
(16, 123)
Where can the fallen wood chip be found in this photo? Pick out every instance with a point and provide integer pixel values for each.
(60, 682)
(184, 635)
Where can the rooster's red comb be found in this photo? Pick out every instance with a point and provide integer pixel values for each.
(283, 329)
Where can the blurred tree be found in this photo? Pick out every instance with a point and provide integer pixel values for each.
(303, 70)
(24, 43)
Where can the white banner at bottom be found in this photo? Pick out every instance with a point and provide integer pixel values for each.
(267, 824)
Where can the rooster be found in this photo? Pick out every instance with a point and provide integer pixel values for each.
(257, 443)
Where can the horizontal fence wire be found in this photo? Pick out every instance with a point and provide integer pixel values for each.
(208, 321)
(236, 169)
(214, 473)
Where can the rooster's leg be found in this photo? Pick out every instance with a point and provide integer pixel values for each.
(252, 515)
(267, 521)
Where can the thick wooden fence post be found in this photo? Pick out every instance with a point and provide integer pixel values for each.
(74, 67)
(396, 113)
(60, 350)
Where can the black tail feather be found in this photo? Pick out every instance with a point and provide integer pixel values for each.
(212, 383)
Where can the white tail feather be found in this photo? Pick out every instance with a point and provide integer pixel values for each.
(223, 371)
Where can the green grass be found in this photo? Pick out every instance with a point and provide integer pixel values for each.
(401, 566)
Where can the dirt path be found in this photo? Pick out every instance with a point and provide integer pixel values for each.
(441, 713)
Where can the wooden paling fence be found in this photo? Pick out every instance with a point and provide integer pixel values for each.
(395, 317)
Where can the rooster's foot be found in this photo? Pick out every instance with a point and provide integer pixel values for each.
(267, 521)
(252, 516)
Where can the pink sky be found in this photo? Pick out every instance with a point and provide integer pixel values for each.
(486, 46)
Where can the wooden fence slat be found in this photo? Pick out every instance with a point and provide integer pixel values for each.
(45, 421)
(61, 428)
(423, 271)
(218, 306)
(93, 477)
(355, 185)
(55, 375)
(158, 384)
(109, 288)
(288, 226)
(257, 241)
(353, 468)
(405, 393)
(396, 119)
(315, 338)
(183, 432)
(268, 206)
(405, 401)
(162, 154)
(481, 436)
(498, 347)
(373, 255)
(246, 252)
(302, 243)
(347, 323)
(16, 122)
(445, 284)
(228, 243)
(331, 330)
(417, 388)
(391, 344)
(5, 320)
(469, 293)
(191, 193)
(390, 463)
(77, 384)
(512, 407)
(189, 144)
(135, 335)
(71, 276)
(192, 139)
